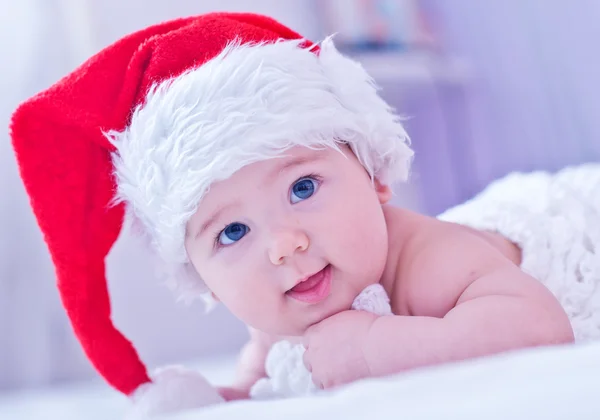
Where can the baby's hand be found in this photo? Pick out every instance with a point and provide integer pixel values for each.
(233, 394)
(334, 348)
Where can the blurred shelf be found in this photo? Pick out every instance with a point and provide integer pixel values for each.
(414, 67)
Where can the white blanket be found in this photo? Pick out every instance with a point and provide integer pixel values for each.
(544, 383)
(550, 384)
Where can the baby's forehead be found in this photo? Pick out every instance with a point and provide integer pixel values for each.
(267, 170)
(240, 188)
(281, 162)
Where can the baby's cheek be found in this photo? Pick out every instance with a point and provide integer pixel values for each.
(362, 232)
(247, 308)
(254, 306)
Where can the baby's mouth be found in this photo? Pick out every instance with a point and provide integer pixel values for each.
(314, 289)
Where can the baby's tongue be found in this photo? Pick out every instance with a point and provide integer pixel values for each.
(308, 284)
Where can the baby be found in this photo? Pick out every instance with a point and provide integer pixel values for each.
(287, 244)
(260, 167)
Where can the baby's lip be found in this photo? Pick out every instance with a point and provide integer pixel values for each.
(313, 289)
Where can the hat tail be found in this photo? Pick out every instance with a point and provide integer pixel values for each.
(69, 182)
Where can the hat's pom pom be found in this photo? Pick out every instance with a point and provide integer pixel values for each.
(172, 389)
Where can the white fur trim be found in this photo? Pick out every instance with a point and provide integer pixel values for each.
(373, 299)
(172, 389)
(251, 102)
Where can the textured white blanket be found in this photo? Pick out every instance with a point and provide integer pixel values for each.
(542, 383)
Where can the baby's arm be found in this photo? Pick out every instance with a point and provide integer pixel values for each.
(497, 308)
(501, 311)
(251, 366)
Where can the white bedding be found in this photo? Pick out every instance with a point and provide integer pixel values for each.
(552, 383)
(92, 400)
(558, 383)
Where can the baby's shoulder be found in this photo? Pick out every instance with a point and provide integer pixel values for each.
(465, 246)
(440, 260)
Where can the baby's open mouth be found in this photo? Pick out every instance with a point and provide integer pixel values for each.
(314, 289)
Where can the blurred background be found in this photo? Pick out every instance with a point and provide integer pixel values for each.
(487, 87)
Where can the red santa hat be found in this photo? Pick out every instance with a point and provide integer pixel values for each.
(147, 124)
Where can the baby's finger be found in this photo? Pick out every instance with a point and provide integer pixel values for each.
(306, 361)
(232, 394)
(317, 383)
(311, 332)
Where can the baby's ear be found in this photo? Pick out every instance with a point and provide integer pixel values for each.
(384, 192)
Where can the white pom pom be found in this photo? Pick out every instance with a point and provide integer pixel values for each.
(286, 374)
(373, 299)
(173, 388)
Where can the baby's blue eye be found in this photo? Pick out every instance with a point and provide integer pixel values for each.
(232, 233)
(303, 189)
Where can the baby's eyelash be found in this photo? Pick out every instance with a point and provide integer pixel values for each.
(314, 176)
(217, 235)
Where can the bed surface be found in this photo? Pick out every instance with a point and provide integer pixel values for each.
(550, 383)
(91, 400)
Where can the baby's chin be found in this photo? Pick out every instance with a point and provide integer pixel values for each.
(294, 320)
(303, 321)
(336, 303)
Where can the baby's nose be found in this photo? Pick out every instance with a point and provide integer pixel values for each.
(285, 243)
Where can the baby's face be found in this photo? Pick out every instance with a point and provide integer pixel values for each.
(258, 235)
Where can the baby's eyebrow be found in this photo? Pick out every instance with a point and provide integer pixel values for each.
(292, 163)
(214, 217)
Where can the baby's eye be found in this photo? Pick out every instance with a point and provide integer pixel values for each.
(232, 233)
(303, 189)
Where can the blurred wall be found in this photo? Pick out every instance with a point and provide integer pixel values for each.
(534, 100)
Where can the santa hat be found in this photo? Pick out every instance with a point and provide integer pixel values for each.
(147, 125)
